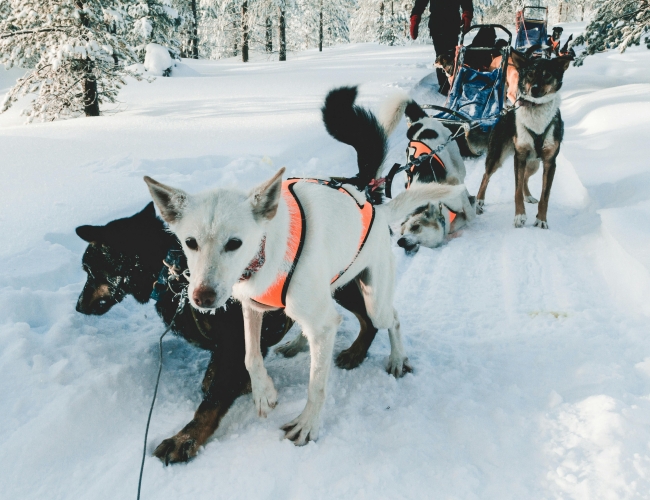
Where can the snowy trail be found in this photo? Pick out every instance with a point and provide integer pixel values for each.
(530, 347)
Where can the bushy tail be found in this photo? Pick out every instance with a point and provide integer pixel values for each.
(358, 127)
(418, 195)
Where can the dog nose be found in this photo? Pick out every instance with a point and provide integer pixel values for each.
(204, 296)
(402, 242)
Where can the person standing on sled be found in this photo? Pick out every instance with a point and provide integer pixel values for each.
(445, 24)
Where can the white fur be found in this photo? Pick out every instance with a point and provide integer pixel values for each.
(424, 229)
(537, 118)
(331, 241)
(391, 111)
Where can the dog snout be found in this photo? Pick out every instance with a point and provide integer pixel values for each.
(204, 296)
(403, 242)
(536, 90)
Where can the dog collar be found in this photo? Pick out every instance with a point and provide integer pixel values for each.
(257, 262)
(527, 104)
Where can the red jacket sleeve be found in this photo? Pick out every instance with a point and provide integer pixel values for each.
(420, 5)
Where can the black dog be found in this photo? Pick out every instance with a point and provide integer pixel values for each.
(125, 257)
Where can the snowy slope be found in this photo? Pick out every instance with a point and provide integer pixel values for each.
(530, 347)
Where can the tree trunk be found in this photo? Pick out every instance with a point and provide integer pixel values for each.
(244, 31)
(195, 33)
(88, 82)
(282, 35)
(269, 35)
(320, 28)
(560, 14)
(582, 12)
(91, 103)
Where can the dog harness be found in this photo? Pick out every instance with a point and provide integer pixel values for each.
(416, 149)
(276, 294)
(417, 153)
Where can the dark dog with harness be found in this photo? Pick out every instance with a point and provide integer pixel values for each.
(533, 133)
(125, 257)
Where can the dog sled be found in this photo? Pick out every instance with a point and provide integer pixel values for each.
(532, 27)
(478, 88)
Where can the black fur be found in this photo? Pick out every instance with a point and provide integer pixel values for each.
(358, 127)
(126, 256)
(413, 129)
(414, 112)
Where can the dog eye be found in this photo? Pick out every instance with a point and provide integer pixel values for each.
(232, 244)
(415, 227)
(192, 244)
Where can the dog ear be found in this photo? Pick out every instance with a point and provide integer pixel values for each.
(414, 112)
(519, 59)
(148, 212)
(170, 201)
(562, 63)
(90, 233)
(430, 211)
(265, 198)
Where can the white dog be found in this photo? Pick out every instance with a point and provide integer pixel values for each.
(244, 245)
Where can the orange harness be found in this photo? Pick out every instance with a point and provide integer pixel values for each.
(416, 149)
(276, 294)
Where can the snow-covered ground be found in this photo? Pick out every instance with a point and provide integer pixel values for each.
(531, 348)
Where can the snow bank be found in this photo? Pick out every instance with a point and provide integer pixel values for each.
(530, 347)
(157, 60)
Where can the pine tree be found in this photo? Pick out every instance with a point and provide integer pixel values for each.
(153, 22)
(71, 50)
(615, 24)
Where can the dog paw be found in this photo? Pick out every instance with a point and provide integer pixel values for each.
(265, 396)
(520, 220)
(480, 206)
(350, 358)
(293, 347)
(179, 448)
(303, 429)
(398, 366)
(541, 224)
(530, 199)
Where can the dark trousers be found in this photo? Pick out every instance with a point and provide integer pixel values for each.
(444, 40)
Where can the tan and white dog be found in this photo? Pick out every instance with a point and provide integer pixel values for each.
(236, 244)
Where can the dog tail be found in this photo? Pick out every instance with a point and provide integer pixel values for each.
(358, 127)
(392, 110)
(418, 195)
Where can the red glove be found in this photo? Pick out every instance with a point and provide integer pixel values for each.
(415, 23)
(466, 23)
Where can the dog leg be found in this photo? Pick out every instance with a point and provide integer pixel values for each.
(350, 297)
(547, 182)
(531, 169)
(293, 347)
(185, 445)
(520, 209)
(228, 379)
(209, 374)
(265, 396)
(398, 363)
(321, 337)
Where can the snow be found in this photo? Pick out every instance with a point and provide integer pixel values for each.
(530, 347)
(157, 59)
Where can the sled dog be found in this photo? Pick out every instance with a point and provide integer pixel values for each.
(533, 133)
(226, 234)
(449, 207)
(125, 257)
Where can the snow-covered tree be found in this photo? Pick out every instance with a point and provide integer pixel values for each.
(383, 21)
(318, 23)
(152, 22)
(71, 49)
(615, 24)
